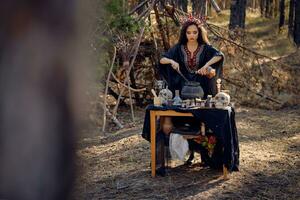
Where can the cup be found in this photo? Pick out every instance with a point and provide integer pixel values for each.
(170, 102)
(157, 101)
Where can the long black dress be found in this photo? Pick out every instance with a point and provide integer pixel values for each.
(179, 54)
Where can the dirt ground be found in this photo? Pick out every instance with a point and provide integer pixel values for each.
(117, 166)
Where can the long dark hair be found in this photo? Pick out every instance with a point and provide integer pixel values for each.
(183, 39)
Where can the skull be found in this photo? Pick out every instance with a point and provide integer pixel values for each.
(222, 100)
(165, 95)
(159, 85)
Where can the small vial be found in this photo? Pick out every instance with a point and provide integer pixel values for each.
(208, 101)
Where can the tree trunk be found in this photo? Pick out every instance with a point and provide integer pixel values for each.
(267, 9)
(161, 29)
(237, 14)
(208, 9)
(228, 4)
(262, 7)
(297, 24)
(276, 8)
(253, 4)
(249, 3)
(291, 18)
(271, 10)
(256, 4)
(182, 4)
(133, 83)
(224, 4)
(281, 14)
(199, 7)
(41, 96)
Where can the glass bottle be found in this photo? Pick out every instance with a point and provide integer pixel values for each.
(208, 101)
(177, 100)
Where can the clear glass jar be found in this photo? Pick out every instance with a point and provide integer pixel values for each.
(177, 100)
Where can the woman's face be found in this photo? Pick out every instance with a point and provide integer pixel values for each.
(192, 33)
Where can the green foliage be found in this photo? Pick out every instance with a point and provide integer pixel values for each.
(118, 19)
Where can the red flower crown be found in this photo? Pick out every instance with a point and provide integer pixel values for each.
(199, 21)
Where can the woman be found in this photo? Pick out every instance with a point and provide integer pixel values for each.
(192, 56)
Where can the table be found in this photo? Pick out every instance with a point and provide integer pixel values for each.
(219, 120)
(170, 113)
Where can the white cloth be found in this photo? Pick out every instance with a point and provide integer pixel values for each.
(178, 146)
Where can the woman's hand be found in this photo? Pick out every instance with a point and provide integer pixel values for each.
(203, 70)
(175, 65)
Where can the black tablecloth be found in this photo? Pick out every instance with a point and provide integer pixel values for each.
(220, 121)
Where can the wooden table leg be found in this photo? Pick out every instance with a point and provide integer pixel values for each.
(225, 173)
(153, 142)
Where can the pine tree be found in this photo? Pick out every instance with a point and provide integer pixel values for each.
(237, 14)
(281, 14)
(297, 24)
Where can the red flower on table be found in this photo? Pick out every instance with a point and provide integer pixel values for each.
(212, 140)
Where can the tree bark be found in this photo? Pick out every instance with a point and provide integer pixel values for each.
(199, 7)
(276, 7)
(161, 29)
(181, 4)
(262, 7)
(208, 9)
(291, 18)
(224, 4)
(253, 4)
(271, 10)
(281, 14)
(133, 83)
(267, 9)
(41, 85)
(237, 14)
(297, 24)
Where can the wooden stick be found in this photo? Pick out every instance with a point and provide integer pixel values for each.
(114, 119)
(130, 67)
(137, 7)
(131, 102)
(106, 88)
(127, 87)
(147, 10)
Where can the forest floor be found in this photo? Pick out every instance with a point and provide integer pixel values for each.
(262, 34)
(116, 166)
